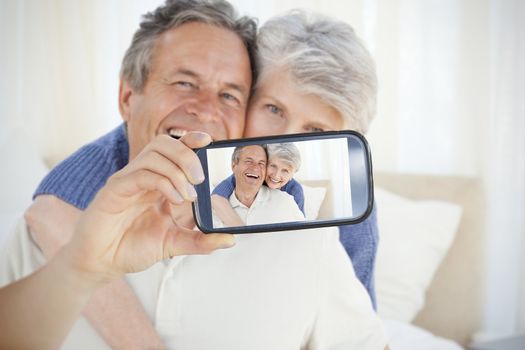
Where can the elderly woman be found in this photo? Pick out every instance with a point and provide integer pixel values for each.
(316, 75)
(284, 160)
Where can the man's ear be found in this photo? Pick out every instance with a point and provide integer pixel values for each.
(125, 93)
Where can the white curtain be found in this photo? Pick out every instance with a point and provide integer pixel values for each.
(451, 99)
(504, 168)
(59, 65)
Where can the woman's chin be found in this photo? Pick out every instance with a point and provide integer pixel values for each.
(273, 185)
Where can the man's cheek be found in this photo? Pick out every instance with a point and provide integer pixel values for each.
(237, 126)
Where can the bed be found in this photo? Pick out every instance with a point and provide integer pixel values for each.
(452, 305)
(429, 264)
(432, 220)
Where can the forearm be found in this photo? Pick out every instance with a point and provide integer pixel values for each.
(128, 227)
(117, 315)
(225, 212)
(38, 311)
(113, 311)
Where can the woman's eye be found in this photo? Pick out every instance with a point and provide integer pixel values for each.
(274, 109)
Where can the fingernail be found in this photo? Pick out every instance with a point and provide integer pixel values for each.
(199, 135)
(196, 174)
(190, 191)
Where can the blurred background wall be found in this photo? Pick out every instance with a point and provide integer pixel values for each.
(451, 97)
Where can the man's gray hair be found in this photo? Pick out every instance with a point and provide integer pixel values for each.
(287, 152)
(237, 152)
(326, 59)
(137, 60)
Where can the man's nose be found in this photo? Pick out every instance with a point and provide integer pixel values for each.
(255, 168)
(204, 106)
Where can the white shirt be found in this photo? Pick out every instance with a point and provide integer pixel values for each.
(269, 206)
(281, 290)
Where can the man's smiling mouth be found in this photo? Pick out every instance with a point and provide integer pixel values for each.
(253, 176)
(177, 133)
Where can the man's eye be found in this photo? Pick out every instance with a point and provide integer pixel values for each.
(230, 97)
(314, 129)
(185, 84)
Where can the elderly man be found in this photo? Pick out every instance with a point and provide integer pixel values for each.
(188, 69)
(254, 203)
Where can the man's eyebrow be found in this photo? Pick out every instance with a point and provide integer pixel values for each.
(237, 87)
(184, 71)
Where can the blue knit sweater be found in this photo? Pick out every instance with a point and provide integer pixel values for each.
(79, 177)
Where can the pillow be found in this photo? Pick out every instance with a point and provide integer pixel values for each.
(313, 198)
(402, 335)
(414, 238)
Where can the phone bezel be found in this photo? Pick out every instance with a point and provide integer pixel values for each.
(203, 189)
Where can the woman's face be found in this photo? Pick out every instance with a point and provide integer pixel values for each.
(278, 107)
(278, 173)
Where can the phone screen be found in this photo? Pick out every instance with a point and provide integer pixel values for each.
(286, 182)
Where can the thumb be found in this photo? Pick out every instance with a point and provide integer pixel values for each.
(196, 139)
(184, 241)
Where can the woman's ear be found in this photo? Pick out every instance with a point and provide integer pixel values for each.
(124, 99)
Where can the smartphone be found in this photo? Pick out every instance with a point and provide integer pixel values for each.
(287, 182)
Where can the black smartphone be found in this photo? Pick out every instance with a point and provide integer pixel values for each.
(286, 182)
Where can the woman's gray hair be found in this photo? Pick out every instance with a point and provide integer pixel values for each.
(137, 60)
(287, 152)
(326, 59)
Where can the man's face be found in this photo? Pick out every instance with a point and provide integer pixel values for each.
(199, 80)
(250, 170)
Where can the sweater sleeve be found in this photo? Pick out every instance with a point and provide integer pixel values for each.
(294, 188)
(78, 178)
(360, 242)
(225, 187)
